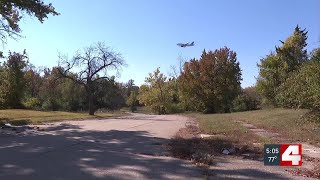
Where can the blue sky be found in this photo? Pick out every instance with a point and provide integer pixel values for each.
(146, 32)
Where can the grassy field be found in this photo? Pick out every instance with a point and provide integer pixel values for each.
(18, 116)
(287, 122)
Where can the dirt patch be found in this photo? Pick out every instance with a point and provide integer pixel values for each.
(190, 144)
(313, 171)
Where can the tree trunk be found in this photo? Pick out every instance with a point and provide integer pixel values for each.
(90, 99)
(91, 105)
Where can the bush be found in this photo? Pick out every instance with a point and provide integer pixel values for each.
(240, 103)
(302, 89)
(174, 108)
(248, 100)
(32, 103)
(50, 105)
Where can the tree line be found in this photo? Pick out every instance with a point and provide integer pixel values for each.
(288, 77)
(22, 85)
(210, 84)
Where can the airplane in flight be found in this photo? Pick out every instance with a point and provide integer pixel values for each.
(185, 45)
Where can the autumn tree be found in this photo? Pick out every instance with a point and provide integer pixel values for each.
(90, 65)
(12, 11)
(50, 93)
(212, 82)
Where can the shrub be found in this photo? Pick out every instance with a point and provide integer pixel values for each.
(302, 89)
(248, 100)
(174, 108)
(32, 103)
(50, 105)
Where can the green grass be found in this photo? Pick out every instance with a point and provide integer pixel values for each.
(19, 116)
(287, 122)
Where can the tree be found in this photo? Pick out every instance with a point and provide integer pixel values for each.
(90, 65)
(132, 100)
(248, 100)
(302, 89)
(132, 95)
(315, 55)
(50, 93)
(293, 51)
(275, 68)
(154, 93)
(212, 82)
(11, 12)
(108, 95)
(270, 77)
(33, 81)
(13, 83)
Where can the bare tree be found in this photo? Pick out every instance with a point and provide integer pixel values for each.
(90, 65)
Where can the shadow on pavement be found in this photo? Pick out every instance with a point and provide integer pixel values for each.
(69, 152)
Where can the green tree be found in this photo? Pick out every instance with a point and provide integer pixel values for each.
(302, 89)
(293, 51)
(270, 78)
(132, 100)
(315, 55)
(154, 94)
(275, 68)
(108, 95)
(12, 11)
(13, 84)
(249, 99)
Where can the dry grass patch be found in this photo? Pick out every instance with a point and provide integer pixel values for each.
(290, 123)
(222, 124)
(19, 116)
(202, 151)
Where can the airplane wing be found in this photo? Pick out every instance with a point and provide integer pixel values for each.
(181, 45)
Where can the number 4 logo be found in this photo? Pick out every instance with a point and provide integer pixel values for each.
(291, 154)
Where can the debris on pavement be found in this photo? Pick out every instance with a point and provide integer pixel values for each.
(9, 129)
(7, 125)
(229, 151)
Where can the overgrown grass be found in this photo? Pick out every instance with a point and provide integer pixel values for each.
(19, 116)
(222, 124)
(290, 123)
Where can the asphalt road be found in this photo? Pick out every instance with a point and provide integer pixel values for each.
(121, 148)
